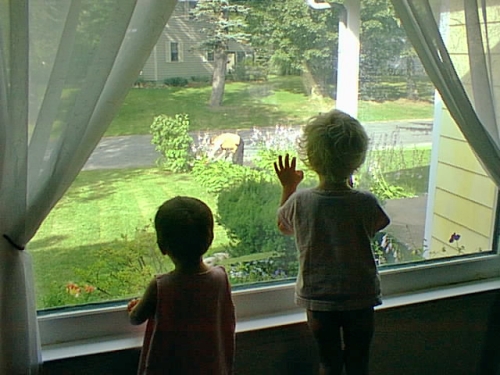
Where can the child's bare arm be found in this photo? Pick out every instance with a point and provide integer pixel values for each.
(144, 308)
(382, 220)
(289, 177)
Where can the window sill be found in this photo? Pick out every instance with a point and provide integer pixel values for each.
(133, 338)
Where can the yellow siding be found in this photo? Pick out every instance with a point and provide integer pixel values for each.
(448, 127)
(477, 188)
(461, 211)
(464, 196)
(459, 153)
(471, 241)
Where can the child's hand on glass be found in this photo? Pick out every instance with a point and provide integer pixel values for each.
(132, 304)
(286, 172)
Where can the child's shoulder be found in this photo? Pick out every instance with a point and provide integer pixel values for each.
(212, 270)
(365, 194)
(219, 270)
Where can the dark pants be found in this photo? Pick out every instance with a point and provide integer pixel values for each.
(343, 338)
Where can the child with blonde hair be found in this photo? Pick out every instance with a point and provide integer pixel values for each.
(334, 224)
(190, 312)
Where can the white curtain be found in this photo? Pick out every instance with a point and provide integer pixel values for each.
(473, 108)
(65, 68)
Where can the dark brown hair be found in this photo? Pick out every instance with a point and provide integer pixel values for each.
(184, 228)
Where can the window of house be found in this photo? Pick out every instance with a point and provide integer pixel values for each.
(174, 52)
(185, 8)
(442, 204)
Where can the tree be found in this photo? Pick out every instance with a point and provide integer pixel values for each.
(221, 24)
(296, 40)
(384, 46)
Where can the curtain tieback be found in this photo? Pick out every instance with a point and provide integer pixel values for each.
(9, 240)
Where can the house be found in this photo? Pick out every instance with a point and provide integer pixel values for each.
(176, 54)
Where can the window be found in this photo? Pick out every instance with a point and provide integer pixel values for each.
(174, 51)
(187, 7)
(442, 204)
(210, 55)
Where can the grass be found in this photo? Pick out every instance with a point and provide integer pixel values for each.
(401, 109)
(401, 158)
(99, 207)
(102, 205)
(280, 100)
(407, 168)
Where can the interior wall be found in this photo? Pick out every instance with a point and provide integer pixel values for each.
(458, 336)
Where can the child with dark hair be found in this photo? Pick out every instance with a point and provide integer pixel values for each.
(190, 312)
(334, 224)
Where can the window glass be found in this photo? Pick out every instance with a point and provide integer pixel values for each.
(174, 51)
(98, 243)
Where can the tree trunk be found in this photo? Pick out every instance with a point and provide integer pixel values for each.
(218, 78)
(411, 85)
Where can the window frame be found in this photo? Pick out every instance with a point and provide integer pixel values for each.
(169, 52)
(63, 328)
(104, 327)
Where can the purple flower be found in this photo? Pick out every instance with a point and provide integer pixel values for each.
(454, 237)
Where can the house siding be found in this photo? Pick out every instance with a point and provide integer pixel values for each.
(464, 196)
(193, 63)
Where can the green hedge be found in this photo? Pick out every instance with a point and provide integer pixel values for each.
(248, 213)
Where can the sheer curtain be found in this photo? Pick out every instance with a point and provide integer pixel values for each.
(65, 68)
(474, 109)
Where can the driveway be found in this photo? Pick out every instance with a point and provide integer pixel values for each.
(136, 151)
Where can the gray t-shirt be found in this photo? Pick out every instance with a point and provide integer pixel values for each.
(333, 234)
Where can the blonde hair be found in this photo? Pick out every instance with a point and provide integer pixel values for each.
(333, 145)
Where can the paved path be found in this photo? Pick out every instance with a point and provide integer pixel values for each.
(137, 151)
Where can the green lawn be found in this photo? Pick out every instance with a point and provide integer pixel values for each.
(99, 207)
(104, 205)
(280, 100)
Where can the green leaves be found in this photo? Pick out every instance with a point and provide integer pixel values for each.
(220, 22)
(218, 175)
(173, 142)
(248, 213)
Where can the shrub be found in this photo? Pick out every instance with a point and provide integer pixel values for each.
(247, 70)
(139, 82)
(392, 171)
(271, 269)
(201, 79)
(389, 250)
(218, 175)
(265, 162)
(122, 269)
(254, 231)
(173, 142)
(176, 81)
(126, 266)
